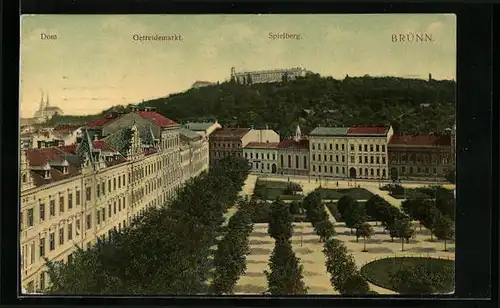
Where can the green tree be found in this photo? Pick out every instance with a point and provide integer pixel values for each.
(365, 231)
(230, 257)
(344, 276)
(344, 203)
(354, 215)
(403, 230)
(182, 233)
(285, 276)
(444, 230)
(280, 221)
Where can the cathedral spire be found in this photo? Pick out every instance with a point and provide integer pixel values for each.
(47, 101)
(41, 100)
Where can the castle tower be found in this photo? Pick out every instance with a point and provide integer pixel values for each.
(297, 136)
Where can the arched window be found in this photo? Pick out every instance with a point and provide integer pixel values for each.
(281, 160)
(305, 162)
(289, 161)
(297, 161)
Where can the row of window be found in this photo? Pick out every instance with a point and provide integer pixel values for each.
(42, 211)
(226, 145)
(367, 172)
(338, 158)
(418, 170)
(341, 147)
(261, 156)
(289, 158)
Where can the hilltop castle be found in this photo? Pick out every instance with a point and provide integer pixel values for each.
(275, 75)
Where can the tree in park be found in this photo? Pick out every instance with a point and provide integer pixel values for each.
(403, 230)
(285, 276)
(315, 210)
(280, 221)
(365, 231)
(295, 207)
(230, 257)
(325, 230)
(444, 230)
(344, 275)
(429, 216)
(354, 215)
(181, 235)
(421, 279)
(344, 203)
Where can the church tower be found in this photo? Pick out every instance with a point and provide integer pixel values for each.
(26, 179)
(297, 136)
(41, 101)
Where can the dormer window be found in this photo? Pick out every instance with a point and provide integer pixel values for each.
(65, 170)
(47, 174)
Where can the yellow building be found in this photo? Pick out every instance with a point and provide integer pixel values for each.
(328, 151)
(73, 195)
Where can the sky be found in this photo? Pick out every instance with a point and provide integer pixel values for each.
(95, 63)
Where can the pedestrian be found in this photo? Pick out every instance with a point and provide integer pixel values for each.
(337, 183)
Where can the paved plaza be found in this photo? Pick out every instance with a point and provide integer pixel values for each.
(307, 247)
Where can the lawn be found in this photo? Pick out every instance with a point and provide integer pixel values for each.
(411, 193)
(378, 272)
(261, 212)
(335, 194)
(270, 190)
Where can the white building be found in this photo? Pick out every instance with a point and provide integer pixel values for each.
(262, 156)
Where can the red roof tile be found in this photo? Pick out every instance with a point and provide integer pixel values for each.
(156, 118)
(101, 122)
(420, 140)
(103, 146)
(39, 157)
(66, 127)
(230, 133)
(292, 144)
(262, 145)
(70, 149)
(367, 130)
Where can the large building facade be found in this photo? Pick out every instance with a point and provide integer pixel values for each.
(73, 195)
(421, 157)
(367, 152)
(262, 156)
(328, 147)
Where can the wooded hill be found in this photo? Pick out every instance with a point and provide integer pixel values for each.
(409, 105)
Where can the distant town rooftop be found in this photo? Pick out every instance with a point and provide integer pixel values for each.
(146, 114)
(329, 131)
(368, 130)
(262, 145)
(199, 126)
(420, 140)
(230, 133)
(302, 144)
